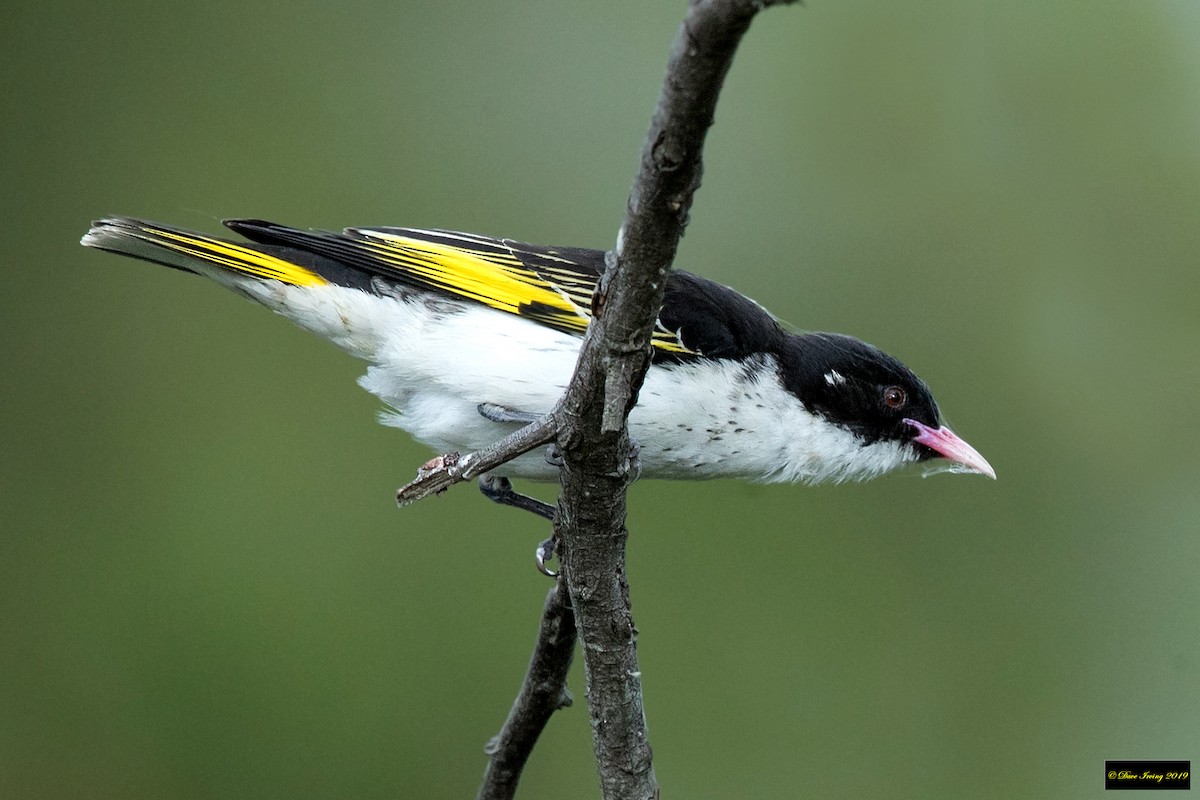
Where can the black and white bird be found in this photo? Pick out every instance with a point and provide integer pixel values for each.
(454, 324)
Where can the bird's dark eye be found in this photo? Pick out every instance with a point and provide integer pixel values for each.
(894, 397)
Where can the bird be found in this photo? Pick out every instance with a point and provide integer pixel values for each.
(467, 337)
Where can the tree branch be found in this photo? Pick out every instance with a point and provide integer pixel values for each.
(543, 692)
(612, 364)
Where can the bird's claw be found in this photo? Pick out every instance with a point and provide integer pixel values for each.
(633, 461)
(545, 552)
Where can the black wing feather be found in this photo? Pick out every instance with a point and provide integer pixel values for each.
(699, 317)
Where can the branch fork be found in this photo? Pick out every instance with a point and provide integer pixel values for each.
(438, 474)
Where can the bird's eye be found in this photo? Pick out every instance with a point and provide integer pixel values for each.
(894, 397)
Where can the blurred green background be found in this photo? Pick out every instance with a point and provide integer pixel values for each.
(207, 592)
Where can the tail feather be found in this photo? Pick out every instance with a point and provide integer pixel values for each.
(201, 254)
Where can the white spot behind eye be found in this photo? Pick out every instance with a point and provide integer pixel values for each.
(834, 378)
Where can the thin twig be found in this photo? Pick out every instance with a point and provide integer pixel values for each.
(440, 473)
(543, 692)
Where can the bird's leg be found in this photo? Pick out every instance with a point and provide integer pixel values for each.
(497, 413)
(500, 490)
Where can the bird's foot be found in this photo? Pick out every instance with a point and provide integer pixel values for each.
(500, 490)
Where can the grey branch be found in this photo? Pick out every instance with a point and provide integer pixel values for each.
(612, 365)
(543, 692)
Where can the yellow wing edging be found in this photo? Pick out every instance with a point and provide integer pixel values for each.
(498, 282)
(238, 258)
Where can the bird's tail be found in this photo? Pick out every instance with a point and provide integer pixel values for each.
(225, 261)
(312, 290)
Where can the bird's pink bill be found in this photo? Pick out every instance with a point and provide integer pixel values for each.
(949, 446)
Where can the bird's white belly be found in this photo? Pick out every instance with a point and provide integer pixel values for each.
(433, 364)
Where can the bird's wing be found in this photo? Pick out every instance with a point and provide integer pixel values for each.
(714, 321)
(552, 286)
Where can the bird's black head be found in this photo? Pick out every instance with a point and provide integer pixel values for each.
(864, 390)
(858, 387)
